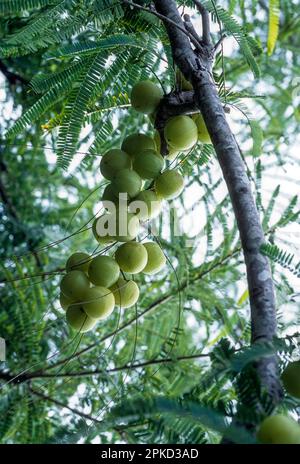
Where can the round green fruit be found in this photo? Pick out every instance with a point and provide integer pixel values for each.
(203, 135)
(291, 379)
(181, 132)
(78, 319)
(65, 302)
(126, 181)
(103, 271)
(131, 257)
(135, 143)
(156, 258)
(98, 302)
(279, 430)
(109, 196)
(148, 164)
(146, 205)
(172, 153)
(121, 226)
(145, 97)
(102, 239)
(113, 161)
(182, 82)
(126, 293)
(169, 184)
(78, 261)
(74, 284)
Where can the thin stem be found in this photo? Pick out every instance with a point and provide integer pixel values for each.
(205, 22)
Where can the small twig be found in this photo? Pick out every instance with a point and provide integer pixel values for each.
(205, 22)
(190, 28)
(219, 43)
(168, 20)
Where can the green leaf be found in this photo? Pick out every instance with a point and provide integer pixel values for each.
(274, 17)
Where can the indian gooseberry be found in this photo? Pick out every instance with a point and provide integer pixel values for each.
(148, 164)
(279, 430)
(169, 184)
(98, 302)
(78, 319)
(181, 132)
(203, 135)
(109, 196)
(121, 226)
(103, 271)
(102, 239)
(291, 379)
(136, 143)
(74, 284)
(131, 257)
(182, 82)
(65, 302)
(146, 205)
(145, 97)
(172, 152)
(113, 161)
(126, 181)
(126, 293)
(156, 258)
(79, 261)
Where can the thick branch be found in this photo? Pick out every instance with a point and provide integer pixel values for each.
(261, 291)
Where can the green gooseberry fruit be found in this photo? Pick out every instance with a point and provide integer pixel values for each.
(172, 152)
(79, 261)
(146, 205)
(113, 161)
(291, 379)
(121, 226)
(279, 430)
(78, 319)
(181, 132)
(145, 97)
(169, 184)
(109, 196)
(65, 302)
(136, 143)
(103, 271)
(148, 164)
(102, 239)
(98, 302)
(74, 284)
(126, 293)
(203, 135)
(131, 257)
(156, 258)
(126, 181)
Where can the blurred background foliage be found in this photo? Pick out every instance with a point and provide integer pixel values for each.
(171, 369)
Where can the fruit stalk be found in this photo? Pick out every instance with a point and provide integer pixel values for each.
(196, 68)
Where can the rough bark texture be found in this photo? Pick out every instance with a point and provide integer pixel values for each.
(196, 68)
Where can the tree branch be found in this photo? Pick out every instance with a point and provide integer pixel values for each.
(261, 291)
(113, 370)
(205, 22)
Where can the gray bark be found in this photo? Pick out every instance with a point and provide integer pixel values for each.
(196, 68)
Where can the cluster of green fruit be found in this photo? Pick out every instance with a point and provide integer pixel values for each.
(93, 286)
(181, 132)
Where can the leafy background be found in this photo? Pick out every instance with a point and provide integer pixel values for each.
(171, 369)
